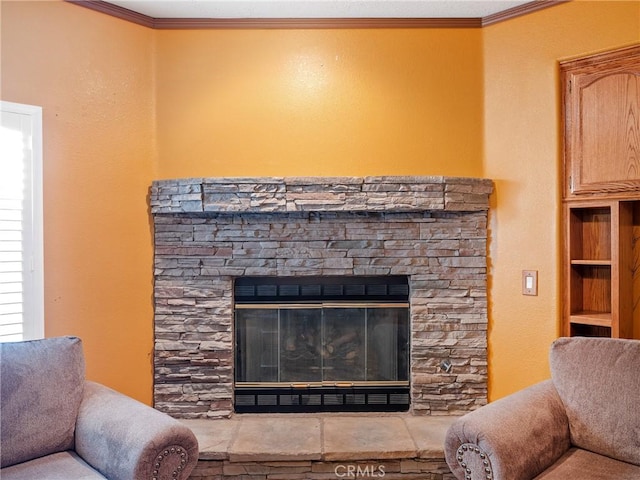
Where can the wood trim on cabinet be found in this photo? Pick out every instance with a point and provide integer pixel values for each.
(310, 23)
(596, 60)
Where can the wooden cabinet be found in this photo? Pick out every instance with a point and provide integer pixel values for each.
(601, 97)
(601, 190)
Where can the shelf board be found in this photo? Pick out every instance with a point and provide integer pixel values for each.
(597, 319)
(594, 263)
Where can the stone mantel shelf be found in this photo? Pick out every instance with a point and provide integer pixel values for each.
(319, 194)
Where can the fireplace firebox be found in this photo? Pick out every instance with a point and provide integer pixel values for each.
(310, 344)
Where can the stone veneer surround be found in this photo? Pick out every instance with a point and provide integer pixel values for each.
(209, 231)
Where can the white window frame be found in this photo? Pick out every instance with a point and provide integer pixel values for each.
(33, 237)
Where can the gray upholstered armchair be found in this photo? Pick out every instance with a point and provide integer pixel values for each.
(583, 424)
(56, 426)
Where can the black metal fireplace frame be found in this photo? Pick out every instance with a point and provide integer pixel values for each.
(384, 288)
(310, 399)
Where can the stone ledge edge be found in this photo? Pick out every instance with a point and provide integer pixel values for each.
(319, 194)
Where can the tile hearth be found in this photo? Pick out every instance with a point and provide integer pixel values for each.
(321, 447)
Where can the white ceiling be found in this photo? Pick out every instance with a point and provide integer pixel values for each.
(221, 9)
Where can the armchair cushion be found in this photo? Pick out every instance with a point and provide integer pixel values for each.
(581, 464)
(598, 381)
(40, 394)
(57, 466)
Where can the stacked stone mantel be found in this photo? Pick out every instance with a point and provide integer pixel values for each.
(320, 194)
(209, 231)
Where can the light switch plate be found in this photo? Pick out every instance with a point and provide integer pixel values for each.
(530, 282)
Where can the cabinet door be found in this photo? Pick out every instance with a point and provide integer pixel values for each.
(602, 124)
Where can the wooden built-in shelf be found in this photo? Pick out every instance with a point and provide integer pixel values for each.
(596, 319)
(597, 263)
(600, 248)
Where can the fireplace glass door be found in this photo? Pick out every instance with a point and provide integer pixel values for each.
(321, 344)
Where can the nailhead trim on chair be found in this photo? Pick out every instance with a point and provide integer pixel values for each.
(164, 455)
(469, 448)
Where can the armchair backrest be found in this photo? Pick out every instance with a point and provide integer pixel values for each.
(40, 395)
(598, 381)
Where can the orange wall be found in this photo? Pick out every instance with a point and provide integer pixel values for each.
(319, 102)
(93, 76)
(523, 156)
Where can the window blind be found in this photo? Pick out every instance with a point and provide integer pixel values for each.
(20, 223)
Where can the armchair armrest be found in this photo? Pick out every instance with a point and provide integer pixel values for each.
(516, 437)
(125, 439)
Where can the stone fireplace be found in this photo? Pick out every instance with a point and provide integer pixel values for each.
(211, 233)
